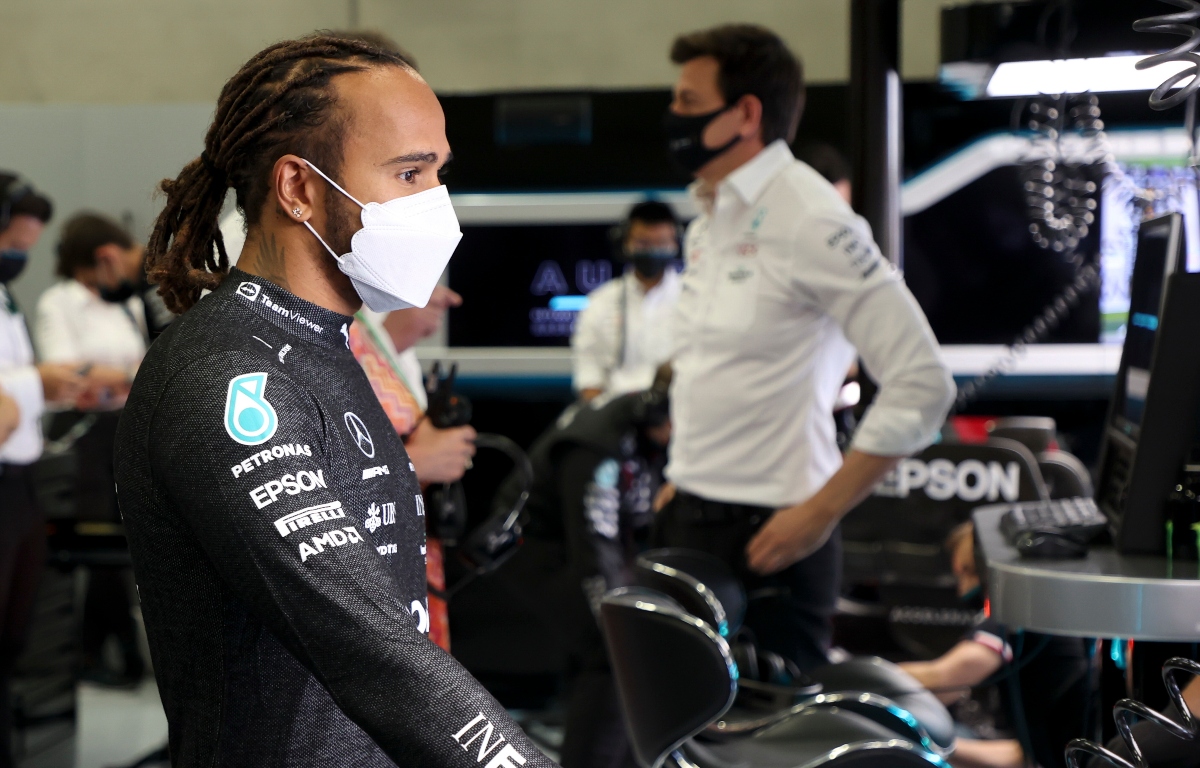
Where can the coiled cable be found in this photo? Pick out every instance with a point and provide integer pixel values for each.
(1060, 192)
(1127, 711)
(1179, 23)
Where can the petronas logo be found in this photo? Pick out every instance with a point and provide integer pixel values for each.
(249, 418)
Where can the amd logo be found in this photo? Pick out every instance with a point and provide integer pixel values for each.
(942, 480)
(481, 729)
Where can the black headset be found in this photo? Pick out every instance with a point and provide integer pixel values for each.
(13, 191)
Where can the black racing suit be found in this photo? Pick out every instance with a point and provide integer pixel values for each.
(278, 541)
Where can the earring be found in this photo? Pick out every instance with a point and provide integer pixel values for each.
(296, 211)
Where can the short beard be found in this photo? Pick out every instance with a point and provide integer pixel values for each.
(340, 222)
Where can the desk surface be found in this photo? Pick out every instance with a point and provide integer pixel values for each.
(1105, 594)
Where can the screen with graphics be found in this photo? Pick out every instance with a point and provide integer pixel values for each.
(523, 286)
(1158, 251)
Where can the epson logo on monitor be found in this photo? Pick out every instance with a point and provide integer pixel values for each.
(942, 480)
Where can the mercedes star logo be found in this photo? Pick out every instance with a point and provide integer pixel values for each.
(362, 438)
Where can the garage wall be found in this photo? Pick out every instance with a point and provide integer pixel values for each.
(138, 51)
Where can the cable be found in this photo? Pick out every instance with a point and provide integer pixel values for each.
(1180, 23)
(1128, 711)
(496, 539)
(1060, 196)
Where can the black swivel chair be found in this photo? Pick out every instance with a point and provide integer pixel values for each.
(676, 676)
(894, 542)
(1065, 475)
(874, 688)
(1037, 433)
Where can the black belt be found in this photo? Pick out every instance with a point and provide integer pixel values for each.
(15, 470)
(697, 509)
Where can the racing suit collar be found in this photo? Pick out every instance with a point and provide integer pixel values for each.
(303, 319)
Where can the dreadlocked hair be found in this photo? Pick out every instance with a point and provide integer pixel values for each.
(279, 102)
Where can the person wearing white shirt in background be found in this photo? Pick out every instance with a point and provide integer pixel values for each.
(25, 389)
(624, 333)
(782, 287)
(79, 320)
(86, 320)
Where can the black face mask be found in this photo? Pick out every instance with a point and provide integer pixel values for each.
(12, 262)
(685, 142)
(119, 295)
(649, 267)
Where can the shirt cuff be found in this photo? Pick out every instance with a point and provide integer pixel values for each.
(588, 377)
(24, 384)
(895, 431)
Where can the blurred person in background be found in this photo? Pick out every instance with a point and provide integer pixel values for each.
(783, 285)
(624, 333)
(25, 389)
(833, 166)
(94, 319)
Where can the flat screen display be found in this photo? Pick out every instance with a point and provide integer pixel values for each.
(523, 286)
(1158, 252)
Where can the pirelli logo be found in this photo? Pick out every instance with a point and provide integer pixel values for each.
(309, 516)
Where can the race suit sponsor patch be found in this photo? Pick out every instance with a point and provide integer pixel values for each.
(249, 418)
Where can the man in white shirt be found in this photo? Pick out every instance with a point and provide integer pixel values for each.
(624, 334)
(81, 319)
(25, 387)
(783, 286)
(94, 318)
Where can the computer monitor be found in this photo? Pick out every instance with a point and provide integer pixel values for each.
(1159, 254)
(523, 285)
(1151, 427)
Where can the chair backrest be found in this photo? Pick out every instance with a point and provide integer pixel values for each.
(894, 542)
(1065, 475)
(701, 583)
(933, 723)
(1037, 433)
(920, 501)
(674, 673)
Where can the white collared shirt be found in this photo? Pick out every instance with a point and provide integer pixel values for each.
(75, 325)
(19, 378)
(783, 283)
(624, 334)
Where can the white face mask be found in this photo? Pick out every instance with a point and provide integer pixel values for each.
(398, 256)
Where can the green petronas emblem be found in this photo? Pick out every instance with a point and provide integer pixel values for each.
(249, 418)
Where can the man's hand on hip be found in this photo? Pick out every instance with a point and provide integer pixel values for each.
(791, 535)
(794, 533)
(10, 417)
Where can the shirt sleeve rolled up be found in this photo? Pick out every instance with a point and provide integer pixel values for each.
(841, 268)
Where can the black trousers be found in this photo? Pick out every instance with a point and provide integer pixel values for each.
(22, 558)
(107, 606)
(790, 612)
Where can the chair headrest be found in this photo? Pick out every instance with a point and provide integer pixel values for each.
(701, 583)
(674, 673)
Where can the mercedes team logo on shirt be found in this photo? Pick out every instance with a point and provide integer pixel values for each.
(362, 438)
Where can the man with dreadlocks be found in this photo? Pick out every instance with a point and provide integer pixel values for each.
(274, 519)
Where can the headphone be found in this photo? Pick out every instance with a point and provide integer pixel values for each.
(13, 191)
(619, 233)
